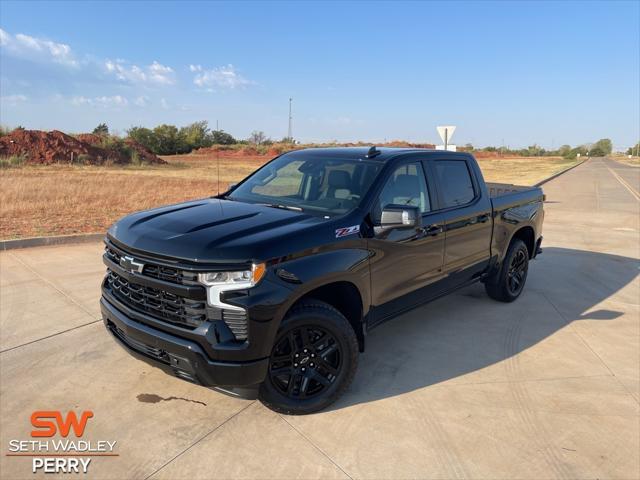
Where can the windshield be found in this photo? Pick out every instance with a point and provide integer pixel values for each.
(311, 183)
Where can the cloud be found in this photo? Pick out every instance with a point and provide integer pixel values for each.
(223, 78)
(37, 49)
(156, 73)
(102, 101)
(141, 101)
(13, 100)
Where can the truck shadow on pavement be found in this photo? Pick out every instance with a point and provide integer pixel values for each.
(467, 331)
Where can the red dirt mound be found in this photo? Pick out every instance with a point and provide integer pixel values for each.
(90, 138)
(46, 148)
(144, 153)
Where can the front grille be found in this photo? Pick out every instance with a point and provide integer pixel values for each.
(181, 311)
(165, 306)
(154, 270)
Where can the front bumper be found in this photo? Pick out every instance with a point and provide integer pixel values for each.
(178, 356)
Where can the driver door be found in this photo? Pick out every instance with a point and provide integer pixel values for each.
(407, 262)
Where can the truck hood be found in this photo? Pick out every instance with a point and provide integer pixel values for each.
(215, 231)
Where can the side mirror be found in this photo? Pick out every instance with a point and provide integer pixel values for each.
(231, 186)
(400, 216)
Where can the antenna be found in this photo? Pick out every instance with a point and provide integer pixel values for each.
(373, 152)
(290, 133)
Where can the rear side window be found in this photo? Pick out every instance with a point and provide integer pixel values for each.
(455, 182)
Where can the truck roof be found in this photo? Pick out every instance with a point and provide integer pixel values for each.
(357, 153)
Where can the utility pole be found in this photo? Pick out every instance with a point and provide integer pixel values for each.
(290, 133)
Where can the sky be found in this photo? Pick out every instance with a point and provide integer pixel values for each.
(512, 73)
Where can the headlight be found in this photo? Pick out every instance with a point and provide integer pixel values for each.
(242, 279)
(218, 282)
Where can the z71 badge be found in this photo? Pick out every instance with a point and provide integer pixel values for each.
(343, 232)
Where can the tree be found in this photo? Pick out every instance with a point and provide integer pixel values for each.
(169, 141)
(144, 137)
(101, 129)
(573, 153)
(534, 150)
(564, 150)
(635, 150)
(601, 148)
(220, 137)
(257, 137)
(196, 135)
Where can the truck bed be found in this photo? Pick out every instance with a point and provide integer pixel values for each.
(499, 189)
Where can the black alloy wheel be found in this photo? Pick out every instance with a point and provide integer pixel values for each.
(506, 284)
(305, 362)
(313, 360)
(517, 272)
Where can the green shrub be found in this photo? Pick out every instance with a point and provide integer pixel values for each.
(82, 159)
(13, 161)
(117, 147)
(101, 129)
(136, 159)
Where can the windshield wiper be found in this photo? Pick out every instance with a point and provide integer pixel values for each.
(280, 205)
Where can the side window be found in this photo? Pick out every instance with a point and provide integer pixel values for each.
(454, 182)
(405, 186)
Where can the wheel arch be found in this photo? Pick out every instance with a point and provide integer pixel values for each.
(528, 236)
(342, 295)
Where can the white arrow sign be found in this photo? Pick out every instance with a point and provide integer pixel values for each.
(446, 132)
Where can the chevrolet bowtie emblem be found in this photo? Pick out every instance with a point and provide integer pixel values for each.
(129, 263)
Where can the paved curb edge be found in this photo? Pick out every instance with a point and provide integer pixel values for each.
(90, 237)
(555, 175)
(47, 241)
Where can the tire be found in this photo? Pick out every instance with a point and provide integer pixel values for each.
(507, 284)
(315, 342)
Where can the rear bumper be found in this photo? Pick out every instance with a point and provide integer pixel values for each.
(178, 356)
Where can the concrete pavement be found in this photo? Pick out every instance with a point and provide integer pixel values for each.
(546, 387)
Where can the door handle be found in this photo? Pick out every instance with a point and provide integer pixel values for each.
(478, 219)
(431, 230)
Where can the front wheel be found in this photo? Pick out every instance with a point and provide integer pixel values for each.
(313, 361)
(507, 284)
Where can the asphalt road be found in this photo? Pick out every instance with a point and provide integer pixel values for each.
(546, 387)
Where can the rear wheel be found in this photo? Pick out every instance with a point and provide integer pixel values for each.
(507, 284)
(313, 361)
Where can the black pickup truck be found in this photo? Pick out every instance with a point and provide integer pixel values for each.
(273, 286)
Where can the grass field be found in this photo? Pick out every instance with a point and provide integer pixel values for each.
(633, 161)
(58, 200)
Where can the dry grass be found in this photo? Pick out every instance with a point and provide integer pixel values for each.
(522, 170)
(633, 161)
(57, 200)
